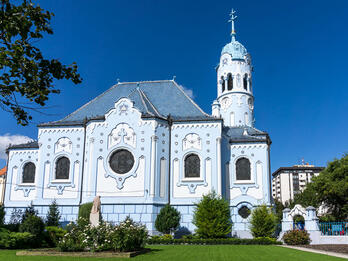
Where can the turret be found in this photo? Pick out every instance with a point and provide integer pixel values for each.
(234, 84)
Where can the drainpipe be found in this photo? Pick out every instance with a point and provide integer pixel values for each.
(170, 123)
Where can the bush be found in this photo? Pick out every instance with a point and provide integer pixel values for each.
(168, 220)
(15, 220)
(53, 215)
(54, 235)
(214, 241)
(296, 237)
(2, 216)
(212, 217)
(84, 212)
(29, 211)
(33, 225)
(15, 240)
(129, 236)
(263, 222)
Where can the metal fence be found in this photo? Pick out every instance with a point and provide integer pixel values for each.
(334, 228)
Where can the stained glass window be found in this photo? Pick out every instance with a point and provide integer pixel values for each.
(121, 161)
(245, 82)
(192, 166)
(62, 168)
(230, 82)
(244, 212)
(243, 169)
(223, 83)
(28, 173)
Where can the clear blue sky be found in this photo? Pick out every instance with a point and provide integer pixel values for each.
(299, 52)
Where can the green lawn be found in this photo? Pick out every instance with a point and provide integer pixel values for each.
(200, 253)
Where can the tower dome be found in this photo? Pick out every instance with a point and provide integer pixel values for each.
(235, 49)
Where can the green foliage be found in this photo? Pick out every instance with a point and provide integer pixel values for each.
(33, 225)
(212, 217)
(126, 236)
(168, 220)
(2, 215)
(54, 235)
(84, 212)
(26, 76)
(129, 236)
(279, 207)
(308, 197)
(15, 240)
(29, 211)
(262, 222)
(296, 237)
(53, 215)
(15, 220)
(214, 241)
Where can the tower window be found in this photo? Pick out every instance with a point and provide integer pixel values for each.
(62, 168)
(192, 166)
(230, 82)
(222, 81)
(243, 169)
(28, 175)
(245, 82)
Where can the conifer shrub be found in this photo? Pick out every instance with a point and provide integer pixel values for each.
(29, 211)
(212, 217)
(33, 225)
(263, 222)
(296, 237)
(2, 216)
(168, 220)
(84, 212)
(53, 215)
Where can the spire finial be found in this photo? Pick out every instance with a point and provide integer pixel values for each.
(233, 17)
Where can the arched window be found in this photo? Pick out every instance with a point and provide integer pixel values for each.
(245, 82)
(28, 173)
(62, 168)
(222, 81)
(246, 118)
(243, 169)
(192, 166)
(230, 82)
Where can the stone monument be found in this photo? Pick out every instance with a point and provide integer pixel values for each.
(95, 212)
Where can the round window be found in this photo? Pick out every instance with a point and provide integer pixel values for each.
(121, 161)
(244, 212)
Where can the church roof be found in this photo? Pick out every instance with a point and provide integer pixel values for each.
(245, 134)
(28, 145)
(152, 98)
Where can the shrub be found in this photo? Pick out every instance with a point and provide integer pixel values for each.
(168, 220)
(2, 215)
(34, 225)
(29, 211)
(296, 237)
(54, 235)
(263, 222)
(129, 236)
(53, 215)
(15, 240)
(214, 241)
(15, 220)
(212, 217)
(84, 212)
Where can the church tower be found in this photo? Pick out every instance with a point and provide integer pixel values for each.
(235, 100)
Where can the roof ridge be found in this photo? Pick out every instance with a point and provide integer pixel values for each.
(151, 104)
(142, 100)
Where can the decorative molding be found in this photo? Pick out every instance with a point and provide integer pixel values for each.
(192, 140)
(63, 144)
(195, 126)
(122, 133)
(59, 130)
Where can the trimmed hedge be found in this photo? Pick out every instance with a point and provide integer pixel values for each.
(214, 241)
(15, 240)
(296, 237)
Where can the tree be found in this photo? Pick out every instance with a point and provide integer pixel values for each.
(25, 74)
(53, 215)
(331, 188)
(2, 215)
(212, 217)
(279, 207)
(168, 220)
(29, 211)
(262, 222)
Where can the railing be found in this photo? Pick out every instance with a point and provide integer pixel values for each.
(334, 228)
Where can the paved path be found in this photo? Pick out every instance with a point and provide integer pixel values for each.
(341, 255)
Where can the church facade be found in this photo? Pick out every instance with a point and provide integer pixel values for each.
(141, 145)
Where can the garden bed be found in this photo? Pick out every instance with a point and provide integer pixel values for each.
(104, 254)
(329, 248)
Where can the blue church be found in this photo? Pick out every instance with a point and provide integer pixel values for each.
(141, 145)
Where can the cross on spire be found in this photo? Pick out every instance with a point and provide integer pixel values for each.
(233, 17)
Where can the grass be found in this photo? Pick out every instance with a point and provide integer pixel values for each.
(201, 253)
